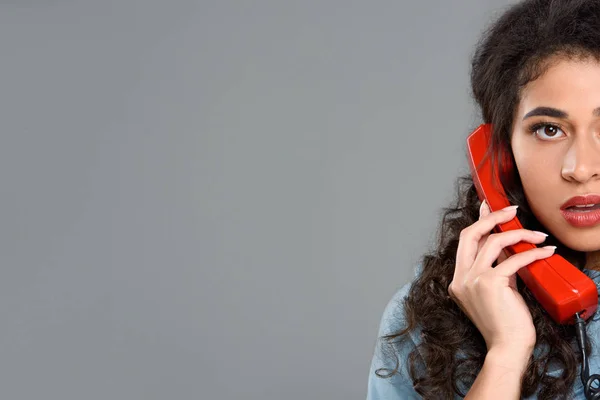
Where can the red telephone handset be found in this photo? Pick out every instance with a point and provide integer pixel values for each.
(560, 287)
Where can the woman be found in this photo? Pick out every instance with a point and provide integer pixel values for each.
(466, 326)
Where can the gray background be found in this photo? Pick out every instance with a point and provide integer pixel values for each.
(216, 199)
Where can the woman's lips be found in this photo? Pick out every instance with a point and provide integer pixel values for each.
(582, 211)
(579, 218)
(581, 201)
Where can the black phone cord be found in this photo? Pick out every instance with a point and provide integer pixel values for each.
(591, 384)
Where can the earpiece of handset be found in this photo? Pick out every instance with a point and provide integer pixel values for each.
(560, 287)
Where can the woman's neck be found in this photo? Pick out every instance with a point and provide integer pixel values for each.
(592, 260)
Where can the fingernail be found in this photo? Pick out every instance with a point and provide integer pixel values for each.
(510, 208)
(540, 233)
(481, 208)
(549, 247)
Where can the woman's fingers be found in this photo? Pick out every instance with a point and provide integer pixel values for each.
(517, 261)
(495, 244)
(470, 236)
(484, 210)
(502, 257)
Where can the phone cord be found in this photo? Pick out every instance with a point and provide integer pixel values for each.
(591, 384)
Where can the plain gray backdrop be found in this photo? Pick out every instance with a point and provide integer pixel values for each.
(216, 199)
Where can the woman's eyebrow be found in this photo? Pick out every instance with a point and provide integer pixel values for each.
(546, 111)
(553, 112)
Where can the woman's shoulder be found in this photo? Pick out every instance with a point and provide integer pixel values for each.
(393, 318)
(388, 358)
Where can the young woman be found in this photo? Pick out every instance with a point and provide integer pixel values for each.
(467, 326)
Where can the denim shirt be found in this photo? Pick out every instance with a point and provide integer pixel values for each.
(400, 385)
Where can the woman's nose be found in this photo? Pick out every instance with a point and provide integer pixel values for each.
(582, 161)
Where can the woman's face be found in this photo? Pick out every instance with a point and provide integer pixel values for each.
(556, 144)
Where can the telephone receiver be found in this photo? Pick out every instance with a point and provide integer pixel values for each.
(560, 287)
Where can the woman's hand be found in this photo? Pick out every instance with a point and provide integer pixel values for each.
(489, 296)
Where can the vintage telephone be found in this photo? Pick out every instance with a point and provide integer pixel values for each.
(560, 287)
(566, 293)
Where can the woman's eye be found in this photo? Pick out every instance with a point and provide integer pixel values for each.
(547, 131)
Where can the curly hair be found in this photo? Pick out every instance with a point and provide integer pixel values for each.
(517, 49)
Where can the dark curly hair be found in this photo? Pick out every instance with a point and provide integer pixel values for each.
(515, 50)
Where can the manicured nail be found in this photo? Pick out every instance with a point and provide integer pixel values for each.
(549, 247)
(510, 208)
(540, 233)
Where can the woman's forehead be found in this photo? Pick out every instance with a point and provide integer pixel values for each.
(569, 85)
